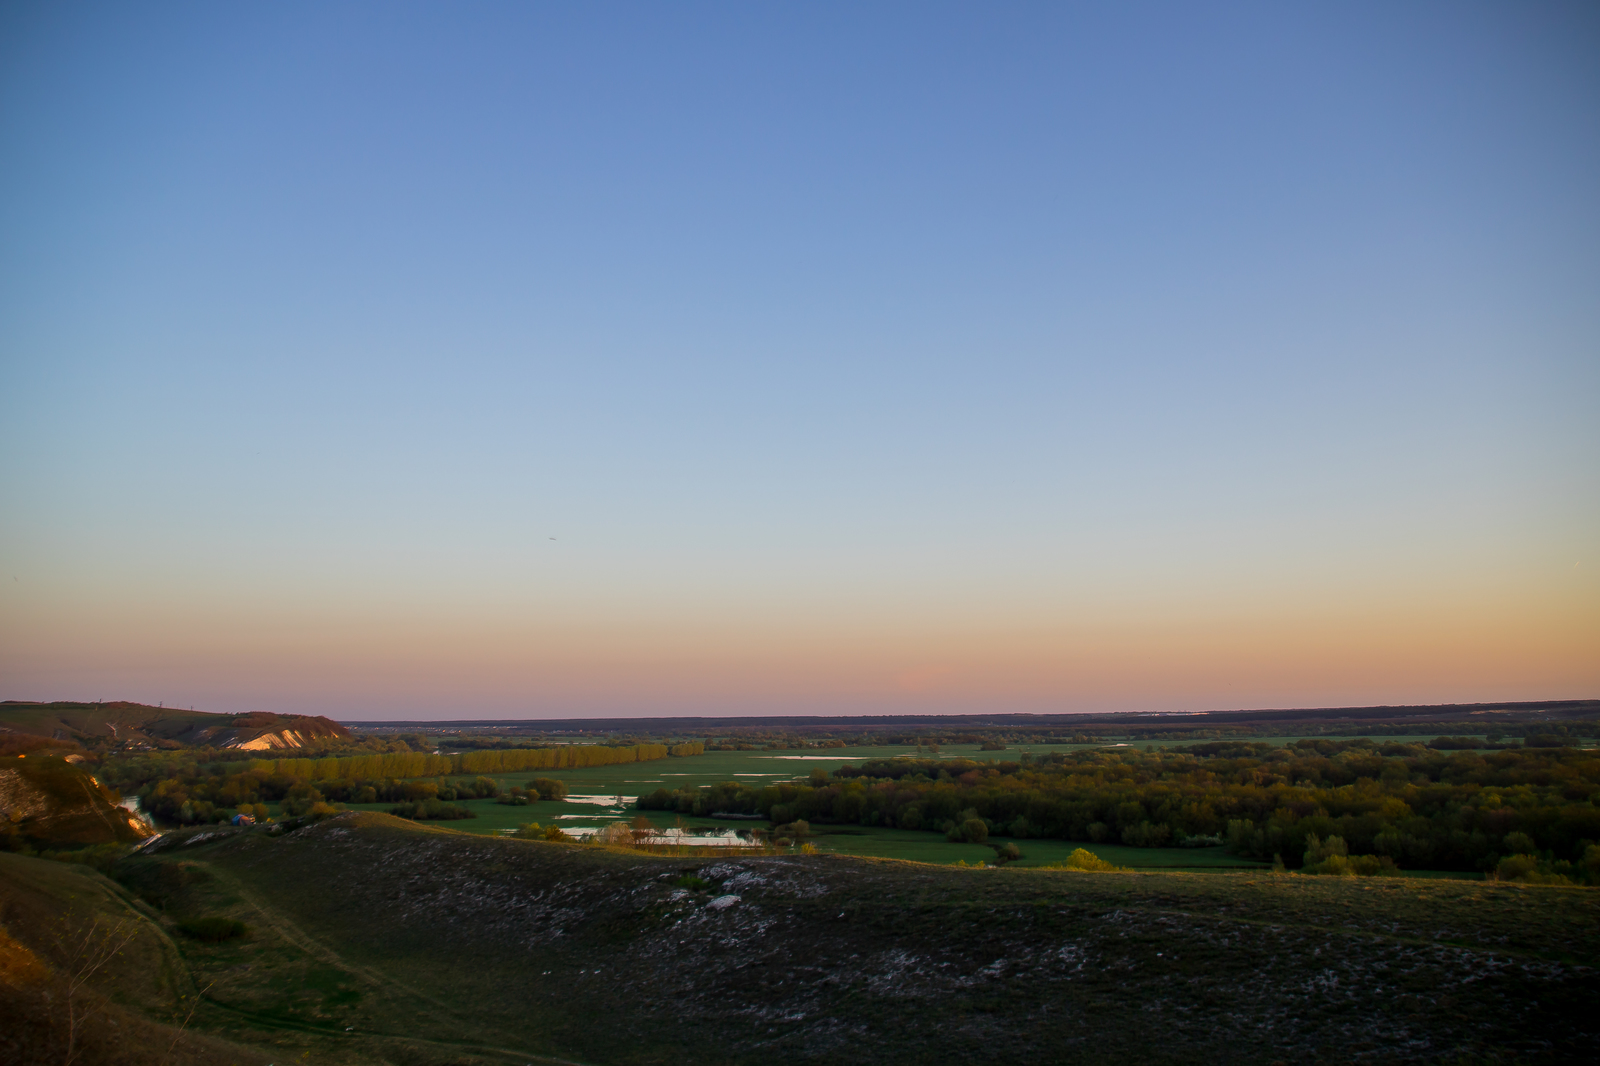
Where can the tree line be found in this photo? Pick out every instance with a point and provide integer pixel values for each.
(511, 760)
(1419, 807)
(200, 798)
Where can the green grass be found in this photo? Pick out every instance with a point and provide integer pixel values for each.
(919, 846)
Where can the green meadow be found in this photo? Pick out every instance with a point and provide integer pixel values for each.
(595, 792)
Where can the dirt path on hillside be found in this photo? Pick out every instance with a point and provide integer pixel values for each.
(287, 929)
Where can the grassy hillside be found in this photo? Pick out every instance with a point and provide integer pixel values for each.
(375, 940)
(85, 970)
(70, 719)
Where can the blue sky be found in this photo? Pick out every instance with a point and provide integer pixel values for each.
(856, 357)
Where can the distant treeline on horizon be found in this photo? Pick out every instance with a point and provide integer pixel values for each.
(417, 764)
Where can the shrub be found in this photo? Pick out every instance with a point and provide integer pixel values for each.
(1512, 867)
(213, 930)
(319, 811)
(1318, 850)
(1529, 870)
(1084, 859)
(548, 788)
(1333, 865)
(692, 883)
(1354, 866)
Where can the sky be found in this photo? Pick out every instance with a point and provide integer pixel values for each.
(394, 360)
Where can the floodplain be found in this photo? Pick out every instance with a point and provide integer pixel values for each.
(602, 795)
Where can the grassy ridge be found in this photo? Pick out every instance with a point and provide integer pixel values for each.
(378, 940)
(93, 719)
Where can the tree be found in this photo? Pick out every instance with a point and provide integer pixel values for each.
(1008, 852)
(1318, 850)
(1519, 844)
(615, 833)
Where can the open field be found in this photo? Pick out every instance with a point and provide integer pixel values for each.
(756, 767)
(375, 940)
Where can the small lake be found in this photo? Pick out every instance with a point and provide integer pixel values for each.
(698, 838)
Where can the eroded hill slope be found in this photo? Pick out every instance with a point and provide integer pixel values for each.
(47, 801)
(377, 940)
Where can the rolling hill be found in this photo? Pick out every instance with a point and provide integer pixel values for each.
(376, 940)
(131, 724)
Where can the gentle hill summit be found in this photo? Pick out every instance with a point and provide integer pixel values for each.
(121, 722)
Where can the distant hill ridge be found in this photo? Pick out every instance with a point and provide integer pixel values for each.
(123, 721)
